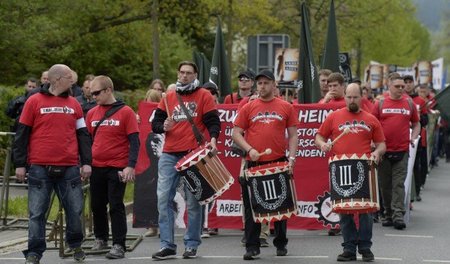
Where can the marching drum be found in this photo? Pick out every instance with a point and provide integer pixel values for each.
(354, 185)
(272, 192)
(205, 175)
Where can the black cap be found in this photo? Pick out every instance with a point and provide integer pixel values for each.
(408, 77)
(247, 74)
(356, 80)
(265, 73)
(212, 87)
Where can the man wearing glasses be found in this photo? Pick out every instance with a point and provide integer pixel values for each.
(397, 114)
(115, 136)
(171, 119)
(246, 80)
(52, 138)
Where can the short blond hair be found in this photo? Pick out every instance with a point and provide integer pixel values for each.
(152, 96)
(104, 81)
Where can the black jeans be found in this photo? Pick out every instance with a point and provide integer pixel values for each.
(106, 188)
(252, 229)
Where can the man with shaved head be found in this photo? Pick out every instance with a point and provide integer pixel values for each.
(366, 129)
(53, 140)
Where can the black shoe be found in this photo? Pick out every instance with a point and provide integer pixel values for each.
(346, 256)
(243, 241)
(334, 231)
(418, 198)
(282, 251)
(251, 254)
(263, 242)
(165, 253)
(387, 222)
(116, 252)
(367, 255)
(32, 259)
(399, 225)
(190, 253)
(78, 254)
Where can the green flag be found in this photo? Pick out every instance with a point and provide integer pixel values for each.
(219, 72)
(309, 91)
(331, 52)
(443, 103)
(203, 65)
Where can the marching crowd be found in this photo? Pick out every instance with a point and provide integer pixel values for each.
(66, 134)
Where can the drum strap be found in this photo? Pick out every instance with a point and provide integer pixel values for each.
(198, 136)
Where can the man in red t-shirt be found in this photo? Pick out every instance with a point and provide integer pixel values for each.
(52, 138)
(396, 117)
(246, 80)
(264, 122)
(115, 134)
(365, 130)
(421, 162)
(171, 119)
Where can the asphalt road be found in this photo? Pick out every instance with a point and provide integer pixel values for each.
(425, 240)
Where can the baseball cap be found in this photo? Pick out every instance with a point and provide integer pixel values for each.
(211, 87)
(265, 73)
(247, 74)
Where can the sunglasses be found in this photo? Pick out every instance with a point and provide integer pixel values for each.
(96, 93)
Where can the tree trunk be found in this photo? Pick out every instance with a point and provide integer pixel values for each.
(155, 38)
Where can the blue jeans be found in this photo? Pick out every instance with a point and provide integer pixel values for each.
(168, 180)
(353, 238)
(68, 189)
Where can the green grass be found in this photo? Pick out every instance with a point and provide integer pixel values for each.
(18, 206)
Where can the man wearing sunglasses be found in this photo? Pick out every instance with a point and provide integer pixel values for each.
(246, 81)
(115, 137)
(53, 140)
(396, 114)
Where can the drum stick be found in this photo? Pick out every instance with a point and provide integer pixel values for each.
(164, 97)
(346, 130)
(268, 151)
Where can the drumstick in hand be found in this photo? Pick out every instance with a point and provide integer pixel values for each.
(268, 151)
(346, 131)
(164, 96)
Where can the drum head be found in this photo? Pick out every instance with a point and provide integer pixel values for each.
(192, 158)
(268, 169)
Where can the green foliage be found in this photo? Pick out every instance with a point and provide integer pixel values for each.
(115, 37)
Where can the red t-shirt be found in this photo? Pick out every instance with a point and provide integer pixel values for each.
(365, 128)
(395, 118)
(110, 146)
(421, 105)
(236, 100)
(181, 137)
(265, 125)
(53, 139)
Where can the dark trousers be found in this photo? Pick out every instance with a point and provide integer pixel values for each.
(420, 167)
(253, 229)
(106, 188)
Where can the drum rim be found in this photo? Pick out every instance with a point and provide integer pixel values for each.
(190, 157)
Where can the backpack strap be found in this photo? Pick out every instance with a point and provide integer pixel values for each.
(115, 107)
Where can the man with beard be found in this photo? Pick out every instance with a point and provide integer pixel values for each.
(180, 140)
(368, 130)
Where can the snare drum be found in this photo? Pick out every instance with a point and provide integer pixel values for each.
(205, 175)
(354, 185)
(272, 192)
